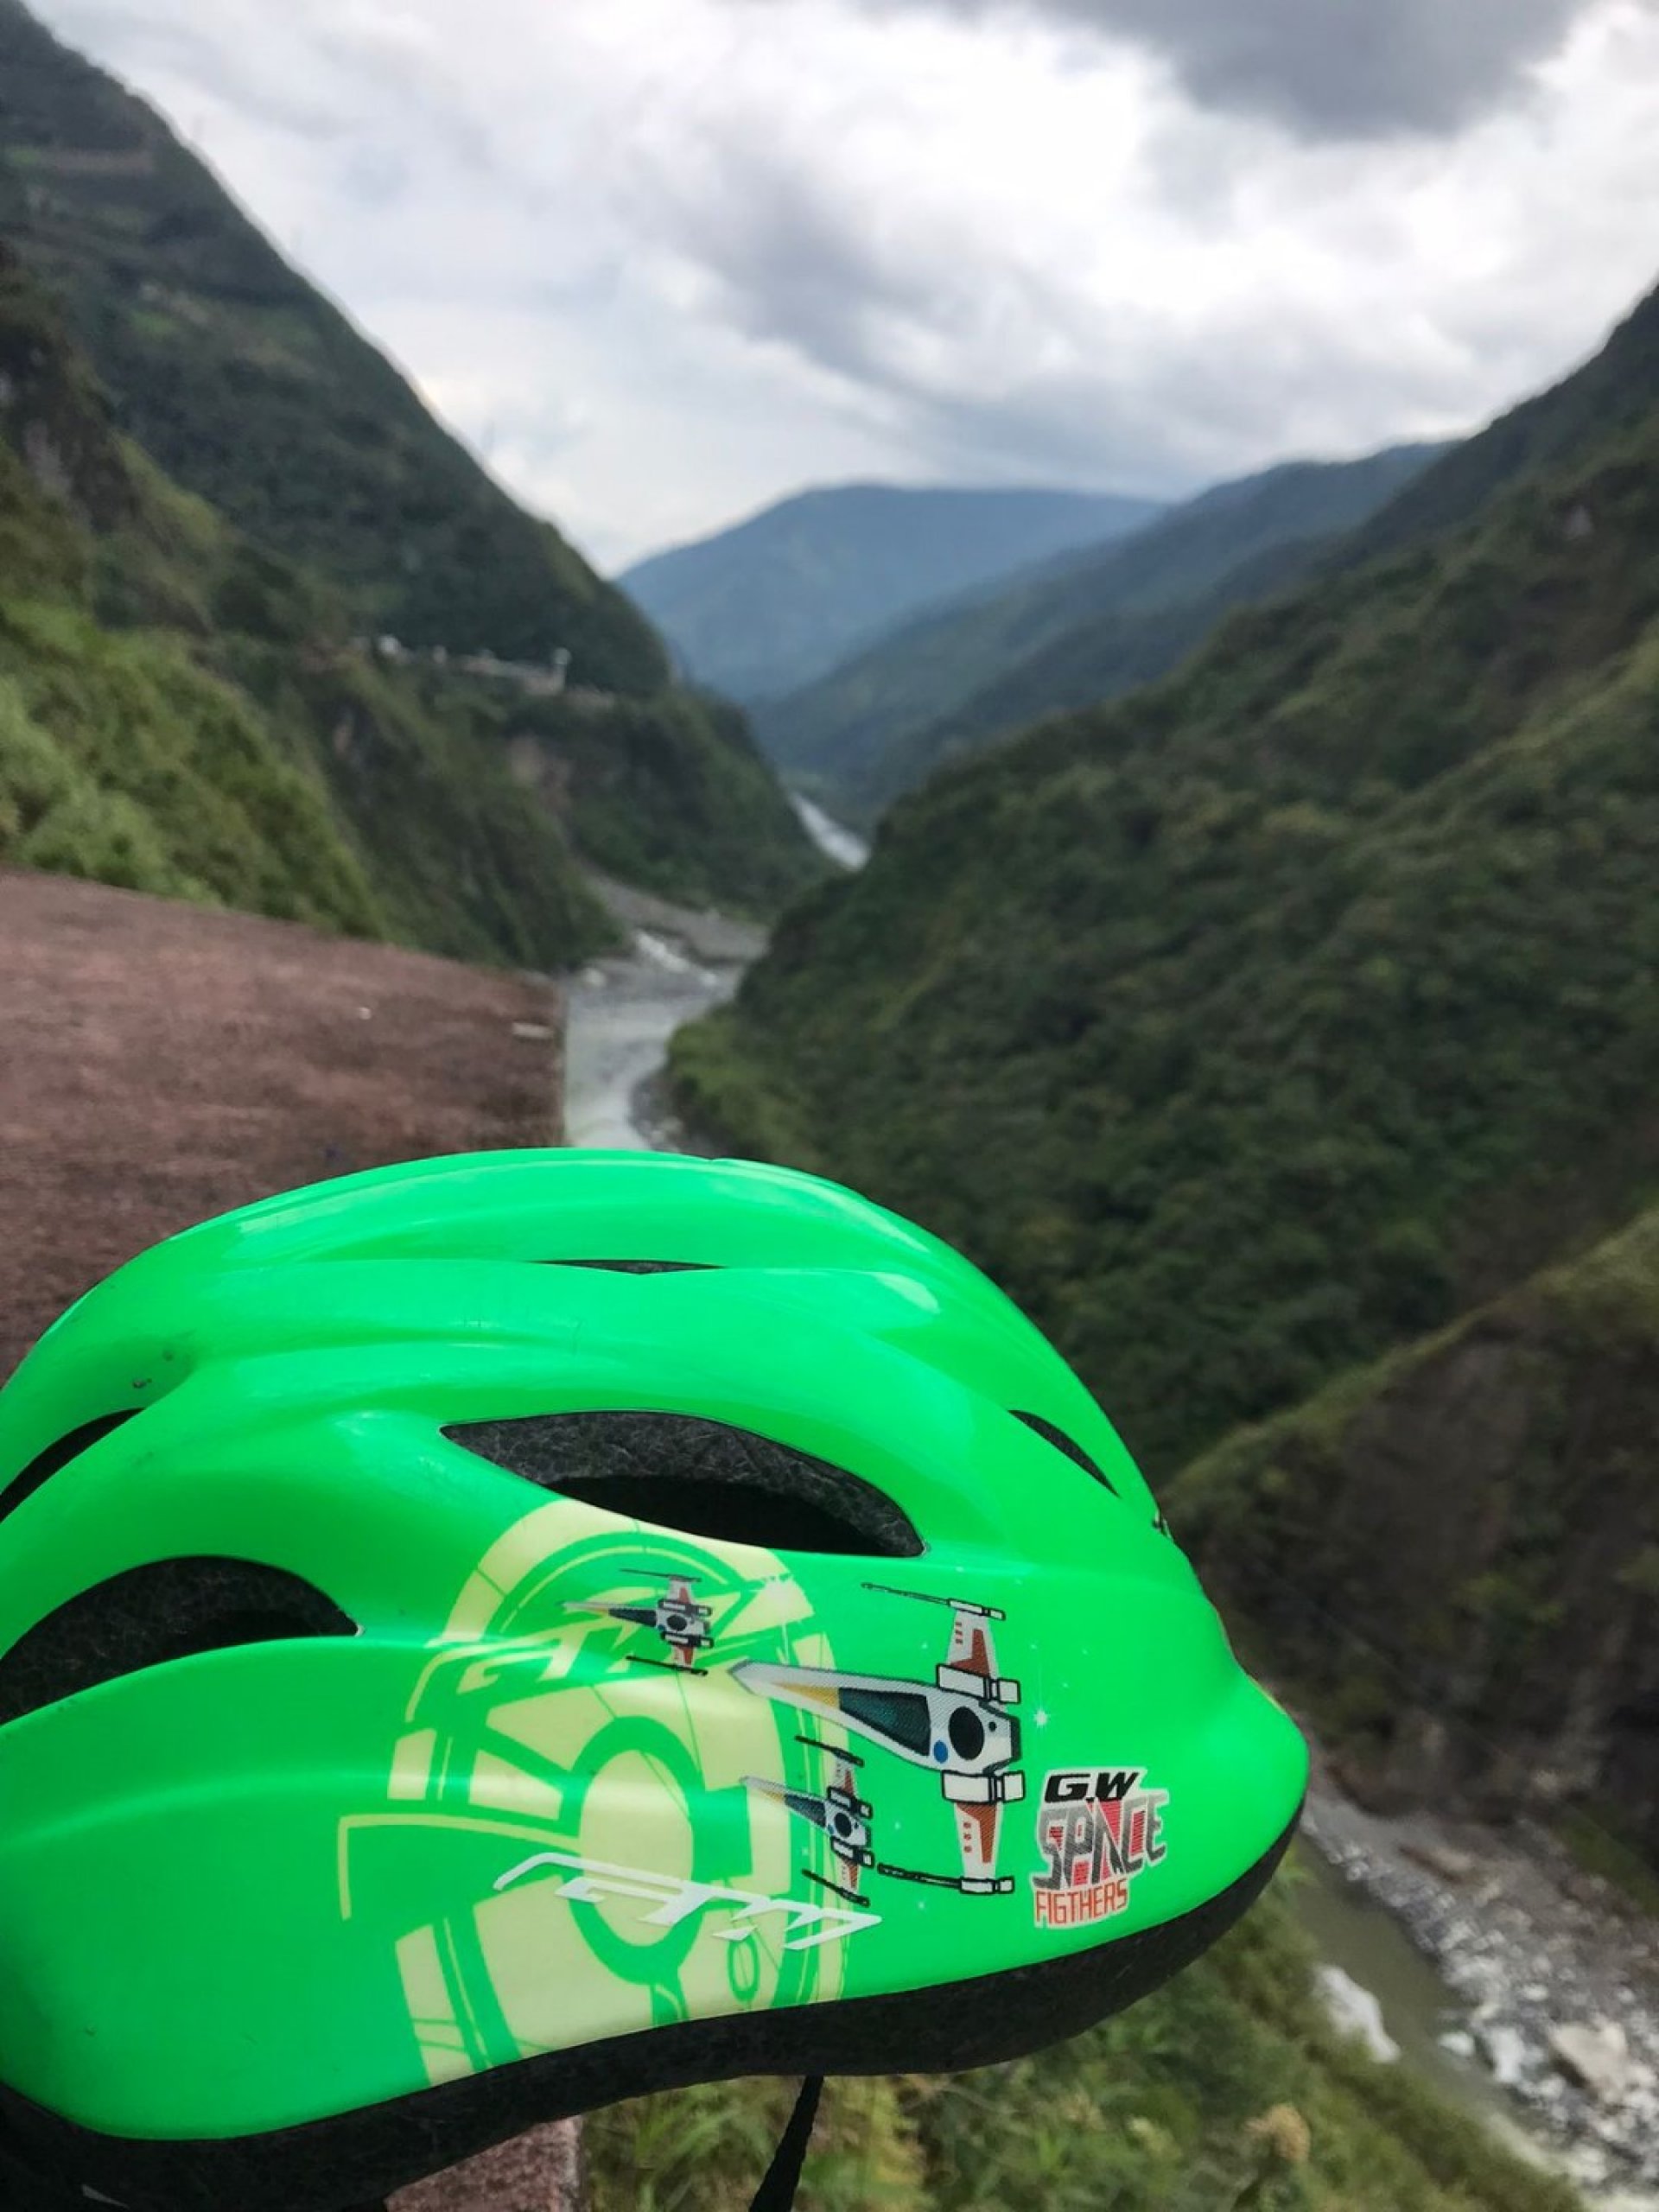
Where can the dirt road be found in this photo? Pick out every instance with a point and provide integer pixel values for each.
(159, 1063)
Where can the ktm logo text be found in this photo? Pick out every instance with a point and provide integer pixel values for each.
(1097, 1828)
(592, 1881)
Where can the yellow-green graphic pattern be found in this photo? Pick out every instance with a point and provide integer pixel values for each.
(550, 1737)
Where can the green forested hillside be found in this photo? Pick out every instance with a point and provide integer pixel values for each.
(122, 756)
(193, 522)
(1610, 394)
(1505, 1641)
(181, 712)
(669, 792)
(1080, 629)
(251, 390)
(176, 714)
(1278, 1015)
(778, 600)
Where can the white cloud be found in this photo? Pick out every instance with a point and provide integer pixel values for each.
(665, 259)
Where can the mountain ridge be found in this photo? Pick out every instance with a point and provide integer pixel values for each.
(226, 363)
(752, 610)
(1150, 906)
(1511, 1658)
(1601, 394)
(446, 807)
(1077, 628)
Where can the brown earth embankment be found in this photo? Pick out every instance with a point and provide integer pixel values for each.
(160, 1063)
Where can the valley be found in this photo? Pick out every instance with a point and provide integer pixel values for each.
(1226, 913)
(1457, 1948)
(1283, 1037)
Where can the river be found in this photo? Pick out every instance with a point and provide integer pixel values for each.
(1417, 2011)
(622, 1012)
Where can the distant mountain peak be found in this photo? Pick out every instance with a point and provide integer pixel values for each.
(1080, 626)
(780, 598)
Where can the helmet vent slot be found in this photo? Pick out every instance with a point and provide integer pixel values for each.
(640, 1266)
(149, 1616)
(1072, 1449)
(703, 1478)
(56, 1457)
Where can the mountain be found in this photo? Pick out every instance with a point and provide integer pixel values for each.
(251, 390)
(1075, 630)
(780, 599)
(176, 716)
(1610, 394)
(1286, 1038)
(1288, 1010)
(1506, 1648)
(208, 484)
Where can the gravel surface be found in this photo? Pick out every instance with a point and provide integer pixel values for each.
(538, 2172)
(1534, 1948)
(159, 1064)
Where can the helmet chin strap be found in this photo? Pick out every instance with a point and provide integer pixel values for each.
(777, 2192)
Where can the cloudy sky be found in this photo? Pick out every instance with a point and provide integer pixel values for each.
(661, 261)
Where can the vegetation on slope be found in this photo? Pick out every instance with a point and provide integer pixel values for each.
(776, 601)
(1228, 2088)
(251, 390)
(122, 759)
(1275, 1016)
(217, 735)
(1610, 396)
(463, 860)
(1074, 631)
(175, 715)
(1505, 1642)
(668, 792)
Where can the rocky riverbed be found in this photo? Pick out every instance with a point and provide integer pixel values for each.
(1557, 1976)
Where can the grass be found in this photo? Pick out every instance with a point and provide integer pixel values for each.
(1592, 1838)
(1227, 2089)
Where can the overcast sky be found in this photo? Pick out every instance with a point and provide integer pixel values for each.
(661, 261)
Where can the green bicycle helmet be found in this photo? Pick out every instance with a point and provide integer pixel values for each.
(484, 1639)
